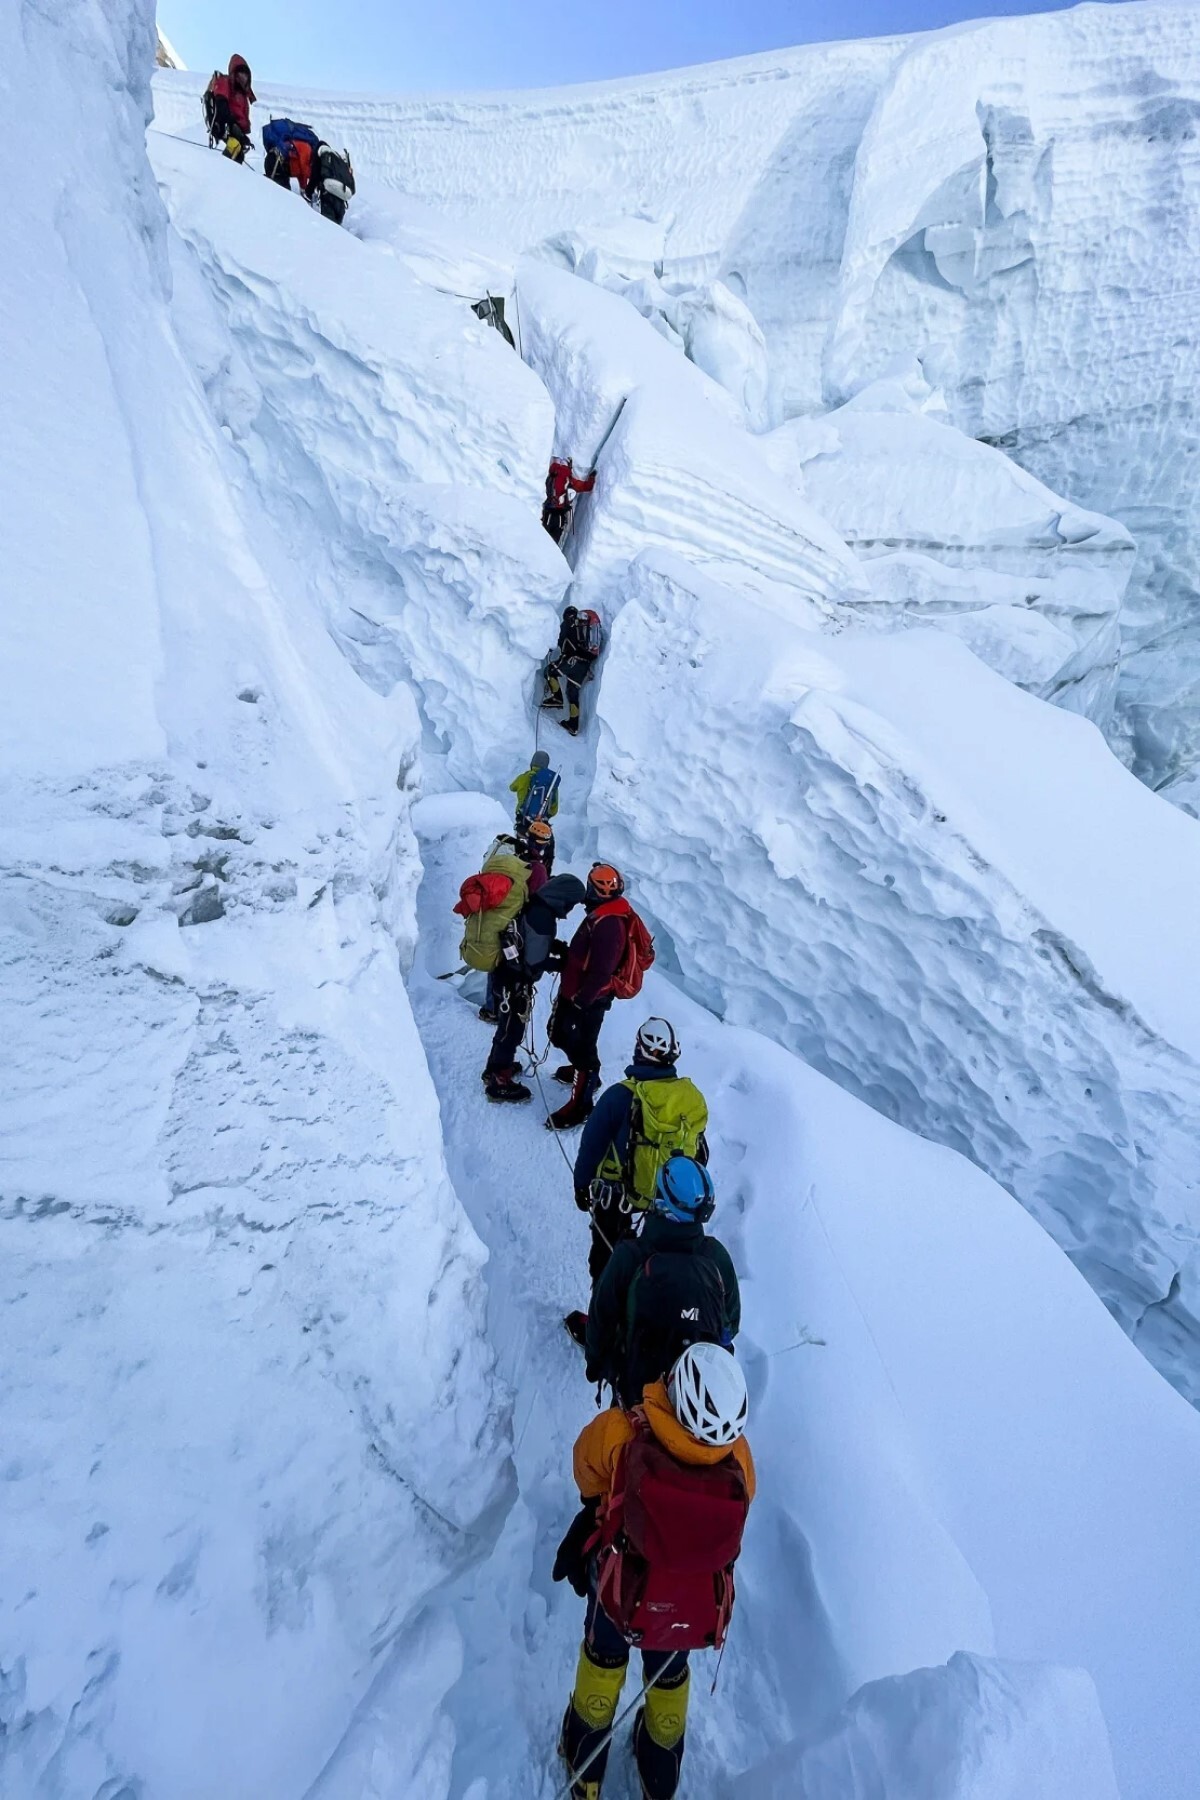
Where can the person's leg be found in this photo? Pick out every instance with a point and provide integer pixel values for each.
(574, 674)
(658, 1732)
(609, 1225)
(599, 1678)
(553, 695)
(513, 1003)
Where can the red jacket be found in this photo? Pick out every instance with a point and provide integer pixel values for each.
(237, 99)
(561, 477)
(595, 953)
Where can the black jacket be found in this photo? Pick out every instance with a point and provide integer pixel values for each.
(608, 1354)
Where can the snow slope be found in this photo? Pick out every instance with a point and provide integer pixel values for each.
(954, 534)
(342, 380)
(250, 1420)
(940, 891)
(1015, 201)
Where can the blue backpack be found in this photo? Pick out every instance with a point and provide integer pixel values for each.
(540, 797)
(279, 133)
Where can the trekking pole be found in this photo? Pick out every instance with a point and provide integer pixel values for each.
(606, 1740)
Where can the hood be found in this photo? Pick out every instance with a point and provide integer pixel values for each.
(598, 907)
(664, 1233)
(670, 1433)
(239, 62)
(561, 894)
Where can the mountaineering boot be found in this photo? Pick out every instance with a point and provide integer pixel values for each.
(503, 1085)
(488, 1014)
(576, 1324)
(564, 1073)
(658, 1764)
(571, 725)
(512, 1071)
(587, 1723)
(579, 1106)
(574, 1742)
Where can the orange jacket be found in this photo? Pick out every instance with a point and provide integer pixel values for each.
(602, 1439)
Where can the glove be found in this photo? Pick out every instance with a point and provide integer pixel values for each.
(571, 1562)
(557, 959)
(583, 1199)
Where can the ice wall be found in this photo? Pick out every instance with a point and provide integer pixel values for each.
(1032, 234)
(390, 433)
(248, 1415)
(1014, 200)
(954, 534)
(943, 893)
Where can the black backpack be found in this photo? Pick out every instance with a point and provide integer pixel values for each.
(676, 1298)
(336, 168)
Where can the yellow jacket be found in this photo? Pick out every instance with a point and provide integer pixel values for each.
(603, 1438)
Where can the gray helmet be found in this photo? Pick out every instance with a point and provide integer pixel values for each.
(539, 760)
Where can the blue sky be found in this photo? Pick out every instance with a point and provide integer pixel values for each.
(397, 45)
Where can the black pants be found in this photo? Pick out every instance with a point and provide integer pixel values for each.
(575, 1030)
(514, 1002)
(609, 1225)
(555, 519)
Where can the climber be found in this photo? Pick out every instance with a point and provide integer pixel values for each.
(536, 789)
(637, 1124)
(676, 1472)
(572, 663)
(607, 958)
(561, 483)
(227, 102)
(290, 154)
(528, 947)
(294, 152)
(669, 1287)
(535, 847)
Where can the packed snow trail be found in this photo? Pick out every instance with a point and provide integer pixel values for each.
(521, 1631)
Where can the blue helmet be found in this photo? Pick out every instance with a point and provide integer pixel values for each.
(684, 1190)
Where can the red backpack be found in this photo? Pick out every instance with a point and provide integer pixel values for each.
(636, 958)
(670, 1533)
(594, 638)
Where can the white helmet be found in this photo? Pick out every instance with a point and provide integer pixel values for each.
(708, 1393)
(657, 1043)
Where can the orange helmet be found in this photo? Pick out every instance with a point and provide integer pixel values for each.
(605, 882)
(539, 832)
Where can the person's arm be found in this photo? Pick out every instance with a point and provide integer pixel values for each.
(598, 1133)
(519, 785)
(596, 1450)
(604, 957)
(605, 1312)
(583, 484)
(733, 1293)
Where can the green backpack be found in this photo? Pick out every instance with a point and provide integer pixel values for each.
(667, 1116)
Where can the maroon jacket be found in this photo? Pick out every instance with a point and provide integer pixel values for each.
(237, 99)
(595, 953)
